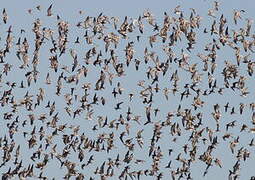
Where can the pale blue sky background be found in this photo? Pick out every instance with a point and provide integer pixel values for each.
(68, 10)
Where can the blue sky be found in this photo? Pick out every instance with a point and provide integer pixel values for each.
(19, 18)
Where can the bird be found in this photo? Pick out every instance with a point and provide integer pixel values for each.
(5, 16)
(49, 10)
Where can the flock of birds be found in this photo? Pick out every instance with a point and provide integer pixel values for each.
(95, 110)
